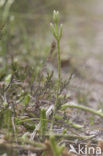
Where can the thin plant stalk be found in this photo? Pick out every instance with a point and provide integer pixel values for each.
(65, 106)
(56, 30)
(59, 65)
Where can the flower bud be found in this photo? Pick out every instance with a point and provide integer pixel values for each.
(55, 16)
(52, 29)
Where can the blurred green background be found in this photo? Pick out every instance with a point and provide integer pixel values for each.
(25, 35)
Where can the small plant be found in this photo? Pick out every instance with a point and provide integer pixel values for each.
(56, 30)
(43, 122)
(56, 149)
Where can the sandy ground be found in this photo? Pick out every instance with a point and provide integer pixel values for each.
(83, 44)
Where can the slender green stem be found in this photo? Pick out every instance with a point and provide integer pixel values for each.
(71, 136)
(59, 64)
(56, 30)
(54, 112)
(57, 150)
(77, 126)
(82, 108)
